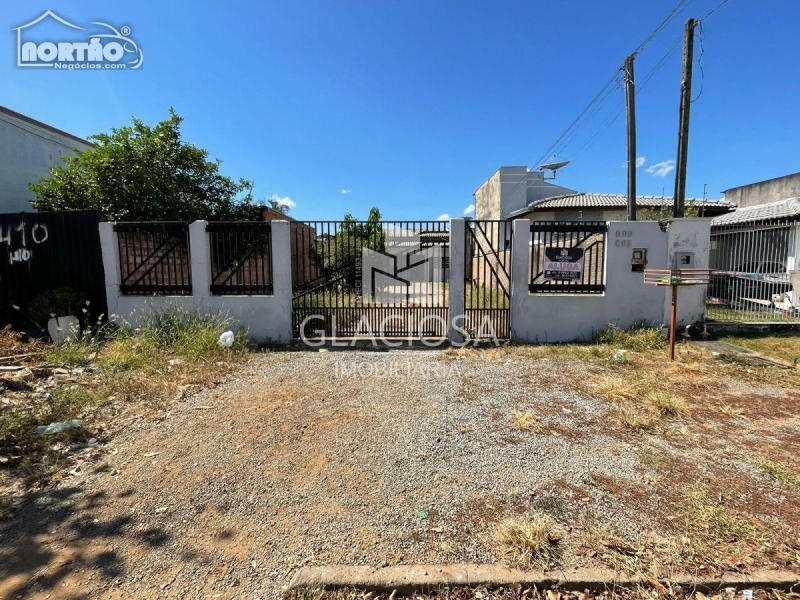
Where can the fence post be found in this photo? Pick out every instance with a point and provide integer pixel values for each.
(282, 278)
(520, 272)
(200, 252)
(458, 239)
(113, 277)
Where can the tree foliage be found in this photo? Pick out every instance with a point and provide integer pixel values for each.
(341, 254)
(145, 173)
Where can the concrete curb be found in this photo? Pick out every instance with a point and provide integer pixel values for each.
(410, 578)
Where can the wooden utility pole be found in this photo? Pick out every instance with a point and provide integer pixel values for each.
(679, 199)
(630, 102)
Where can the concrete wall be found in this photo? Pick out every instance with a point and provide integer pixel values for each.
(764, 192)
(627, 299)
(267, 318)
(511, 189)
(28, 150)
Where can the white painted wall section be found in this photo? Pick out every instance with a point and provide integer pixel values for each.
(538, 318)
(268, 319)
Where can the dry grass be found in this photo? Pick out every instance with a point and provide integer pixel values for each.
(525, 541)
(524, 420)
(517, 592)
(779, 471)
(632, 416)
(783, 346)
(616, 389)
(734, 412)
(666, 404)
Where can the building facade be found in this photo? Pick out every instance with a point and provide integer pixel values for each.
(28, 150)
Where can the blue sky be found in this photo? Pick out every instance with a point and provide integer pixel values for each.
(410, 105)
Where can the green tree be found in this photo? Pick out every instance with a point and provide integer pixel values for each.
(690, 211)
(278, 206)
(145, 173)
(341, 255)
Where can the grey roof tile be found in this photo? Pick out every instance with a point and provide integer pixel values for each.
(783, 209)
(617, 201)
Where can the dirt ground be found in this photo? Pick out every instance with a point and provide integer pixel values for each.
(418, 456)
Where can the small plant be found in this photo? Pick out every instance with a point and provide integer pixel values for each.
(666, 405)
(523, 541)
(779, 471)
(61, 302)
(524, 420)
(631, 416)
(734, 412)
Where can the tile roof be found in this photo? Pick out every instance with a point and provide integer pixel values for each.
(617, 201)
(783, 209)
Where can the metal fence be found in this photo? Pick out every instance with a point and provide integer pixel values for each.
(241, 258)
(568, 257)
(47, 251)
(154, 258)
(331, 283)
(756, 272)
(487, 282)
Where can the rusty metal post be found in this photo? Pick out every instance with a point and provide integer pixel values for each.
(672, 319)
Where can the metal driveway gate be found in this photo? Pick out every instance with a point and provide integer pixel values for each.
(487, 284)
(370, 278)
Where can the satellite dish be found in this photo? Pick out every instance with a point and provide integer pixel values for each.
(554, 167)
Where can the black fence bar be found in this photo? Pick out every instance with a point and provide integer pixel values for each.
(154, 258)
(588, 238)
(241, 258)
(488, 278)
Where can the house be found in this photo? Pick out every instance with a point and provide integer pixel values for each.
(756, 252)
(764, 192)
(518, 193)
(303, 240)
(28, 150)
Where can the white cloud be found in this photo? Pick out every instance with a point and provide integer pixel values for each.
(443, 217)
(661, 169)
(640, 162)
(345, 191)
(470, 210)
(286, 201)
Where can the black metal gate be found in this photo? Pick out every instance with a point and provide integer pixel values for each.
(370, 278)
(487, 284)
(44, 252)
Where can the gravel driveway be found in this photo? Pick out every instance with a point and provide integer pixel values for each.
(316, 458)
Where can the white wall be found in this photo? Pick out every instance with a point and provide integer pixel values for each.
(27, 152)
(627, 299)
(267, 318)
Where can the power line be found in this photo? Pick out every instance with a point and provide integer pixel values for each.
(673, 13)
(713, 10)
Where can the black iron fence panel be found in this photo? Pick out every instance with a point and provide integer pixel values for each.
(568, 257)
(154, 258)
(241, 258)
(359, 278)
(487, 284)
(756, 274)
(48, 251)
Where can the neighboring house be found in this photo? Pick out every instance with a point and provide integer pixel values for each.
(518, 192)
(764, 192)
(606, 207)
(755, 249)
(303, 240)
(28, 150)
(511, 189)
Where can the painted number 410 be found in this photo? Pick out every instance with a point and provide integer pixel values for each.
(19, 239)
